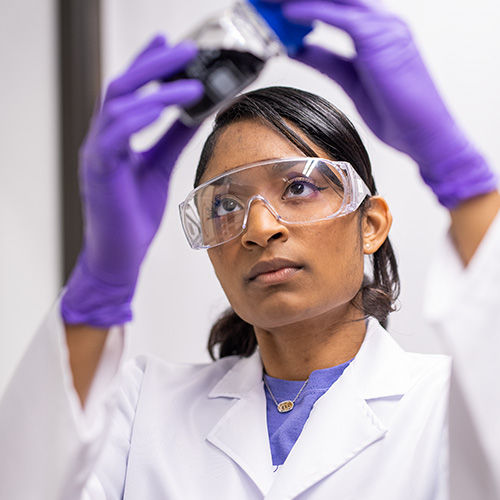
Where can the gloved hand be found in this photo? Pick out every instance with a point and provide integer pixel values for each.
(392, 89)
(124, 192)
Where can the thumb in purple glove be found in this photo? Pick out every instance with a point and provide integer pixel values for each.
(124, 192)
(395, 95)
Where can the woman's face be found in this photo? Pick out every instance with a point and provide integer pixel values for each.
(275, 275)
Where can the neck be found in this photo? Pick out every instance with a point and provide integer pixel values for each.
(292, 352)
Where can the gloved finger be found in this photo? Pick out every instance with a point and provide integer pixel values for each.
(131, 114)
(336, 67)
(101, 152)
(345, 2)
(344, 72)
(116, 139)
(166, 151)
(340, 15)
(365, 24)
(159, 64)
(157, 42)
(180, 92)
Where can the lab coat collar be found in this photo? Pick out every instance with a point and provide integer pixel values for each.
(381, 368)
(241, 433)
(378, 371)
(241, 379)
(327, 444)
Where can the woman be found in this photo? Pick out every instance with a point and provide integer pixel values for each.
(364, 419)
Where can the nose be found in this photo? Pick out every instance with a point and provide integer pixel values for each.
(262, 224)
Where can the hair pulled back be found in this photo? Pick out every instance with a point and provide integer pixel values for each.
(327, 127)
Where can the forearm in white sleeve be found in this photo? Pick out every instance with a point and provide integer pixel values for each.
(48, 444)
(463, 304)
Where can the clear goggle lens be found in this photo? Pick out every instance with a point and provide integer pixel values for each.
(295, 190)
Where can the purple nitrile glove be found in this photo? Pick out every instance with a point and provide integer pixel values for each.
(395, 95)
(124, 192)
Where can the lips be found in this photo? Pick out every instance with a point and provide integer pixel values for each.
(278, 267)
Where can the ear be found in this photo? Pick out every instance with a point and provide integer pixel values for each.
(376, 224)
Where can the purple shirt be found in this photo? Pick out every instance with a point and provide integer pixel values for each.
(284, 428)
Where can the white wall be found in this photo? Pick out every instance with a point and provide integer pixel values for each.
(178, 296)
(29, 220)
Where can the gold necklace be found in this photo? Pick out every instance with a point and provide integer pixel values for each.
(284, 406)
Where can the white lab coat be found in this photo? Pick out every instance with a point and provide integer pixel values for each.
(157, 430)
(199, 432)
(463, 306)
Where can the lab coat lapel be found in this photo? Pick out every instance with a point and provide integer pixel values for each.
(327, 444)
(241, 433)
(341, 424)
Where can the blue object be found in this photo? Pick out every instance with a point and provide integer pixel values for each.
(291, 34)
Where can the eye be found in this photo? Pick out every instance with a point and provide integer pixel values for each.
(301, 188)
(225, 206)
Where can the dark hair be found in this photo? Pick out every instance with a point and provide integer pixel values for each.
(332, 131)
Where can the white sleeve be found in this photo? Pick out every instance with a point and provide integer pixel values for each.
(463, 305)
(48, 444)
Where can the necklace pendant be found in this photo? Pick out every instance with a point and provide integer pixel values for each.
(285, 406)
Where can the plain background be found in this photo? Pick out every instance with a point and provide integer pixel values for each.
(178, 296)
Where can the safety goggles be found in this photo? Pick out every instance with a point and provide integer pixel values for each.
(295, 190)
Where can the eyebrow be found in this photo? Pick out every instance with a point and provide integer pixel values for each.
(311, 164)
(217, 182)
(278, 167)
(281, 166)
(332, 177)
(275, 168)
